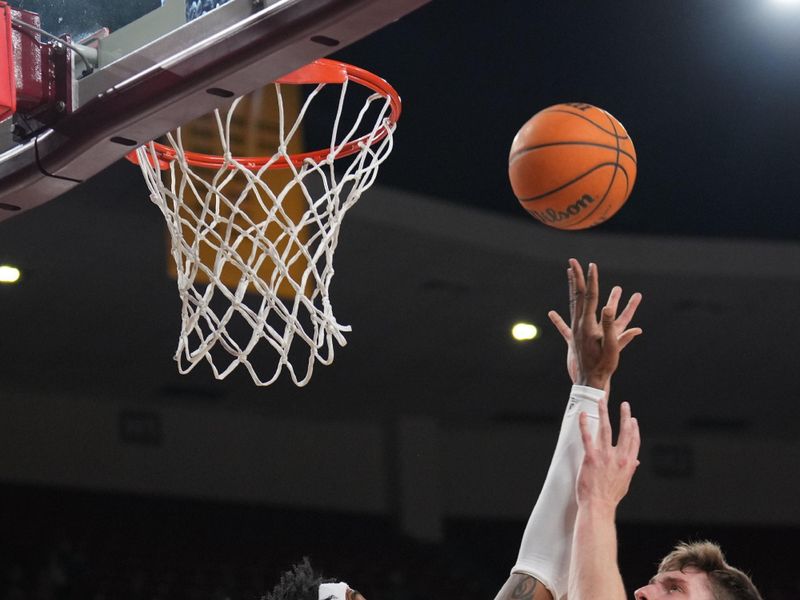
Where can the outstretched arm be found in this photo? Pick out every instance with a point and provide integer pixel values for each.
(542, 567)
(603, 481)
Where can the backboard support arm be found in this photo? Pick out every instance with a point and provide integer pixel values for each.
(164, 84)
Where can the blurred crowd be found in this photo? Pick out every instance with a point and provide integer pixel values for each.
(68, 545)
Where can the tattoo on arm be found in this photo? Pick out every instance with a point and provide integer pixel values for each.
(524, 589)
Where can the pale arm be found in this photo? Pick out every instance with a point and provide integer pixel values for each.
(594, 569)
(603, 481)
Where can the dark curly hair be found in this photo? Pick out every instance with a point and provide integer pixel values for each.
(299, 583)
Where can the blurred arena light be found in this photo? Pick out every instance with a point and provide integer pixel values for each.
(9, 274)
(524, 332)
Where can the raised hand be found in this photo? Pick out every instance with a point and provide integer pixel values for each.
(593, 347)
(603, 480)
(607, 470)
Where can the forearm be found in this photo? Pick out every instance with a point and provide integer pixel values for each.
(594, 571)
(545, 549)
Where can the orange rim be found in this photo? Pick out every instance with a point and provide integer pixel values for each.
(322, 70)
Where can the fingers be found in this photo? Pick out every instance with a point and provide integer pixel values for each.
(561, 326)
(629, 440)
(577, 291)
(626, 315)
(586, 434)
(625, 433)
(572, 299)
(626, 451)
(591, 295)
(636, 442)
(613, 298)
(610, 340)
(604, 430)
(627, 336)
(608, 321)
(583, 295)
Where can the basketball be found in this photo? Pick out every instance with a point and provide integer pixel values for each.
(572, 166)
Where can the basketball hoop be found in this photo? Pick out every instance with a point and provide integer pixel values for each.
(252, 322)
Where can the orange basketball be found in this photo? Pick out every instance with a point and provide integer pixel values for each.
(572, 166)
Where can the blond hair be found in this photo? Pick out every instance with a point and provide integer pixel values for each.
(727, 582)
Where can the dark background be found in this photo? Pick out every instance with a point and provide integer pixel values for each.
(707, 90)
(116, 546)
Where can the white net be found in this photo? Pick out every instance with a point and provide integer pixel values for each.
(276, 313)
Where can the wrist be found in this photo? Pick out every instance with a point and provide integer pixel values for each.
(594, 381)
(599, 508)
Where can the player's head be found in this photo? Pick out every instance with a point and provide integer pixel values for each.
(303, 583)
(698, 571)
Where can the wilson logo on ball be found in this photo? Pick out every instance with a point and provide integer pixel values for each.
(551, 216)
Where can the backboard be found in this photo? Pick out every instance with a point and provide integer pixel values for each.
(128, 72)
